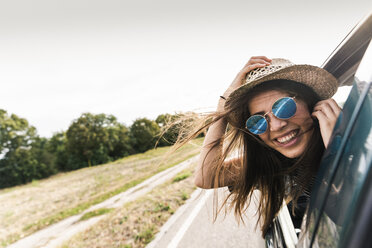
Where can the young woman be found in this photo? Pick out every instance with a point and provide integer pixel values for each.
(275, 120)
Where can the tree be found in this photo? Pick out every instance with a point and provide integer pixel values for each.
(143, 133)
(45, 158)
(119, 141)
(57, 146)
(96, 139)
(23, 155)
(15, 132)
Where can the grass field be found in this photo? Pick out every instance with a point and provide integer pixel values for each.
(135, 224)
(31, 207)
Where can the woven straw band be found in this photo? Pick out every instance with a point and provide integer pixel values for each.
(322, 82)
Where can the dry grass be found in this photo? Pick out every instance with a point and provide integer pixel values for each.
(28, 208)
(136, 223)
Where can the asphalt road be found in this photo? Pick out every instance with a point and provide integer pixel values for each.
(192, 226)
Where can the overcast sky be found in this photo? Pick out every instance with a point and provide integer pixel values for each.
(142, 58)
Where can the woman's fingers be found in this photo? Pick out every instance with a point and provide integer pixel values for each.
(325, 126)
(258, 60)
(250, 67)
(330, 109)
(326, 112)
(332, 103)
(326, 109)
(261, 58)
(336, 109)
(253, 63)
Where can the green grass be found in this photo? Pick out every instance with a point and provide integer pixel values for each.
(11, 239)
(96, 212)
(83, 206)
(135, 223)
(184, 196)
(35, 183)
(162, 207)
(146, 235)
(182, 176)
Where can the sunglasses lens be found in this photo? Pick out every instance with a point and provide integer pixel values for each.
(284, 108)
(256, 124)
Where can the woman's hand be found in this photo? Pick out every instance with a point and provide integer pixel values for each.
(327, 112)
(253, 63)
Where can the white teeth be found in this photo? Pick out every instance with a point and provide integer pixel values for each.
(287, 138)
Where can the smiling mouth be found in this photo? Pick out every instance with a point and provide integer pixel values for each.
(287, 138)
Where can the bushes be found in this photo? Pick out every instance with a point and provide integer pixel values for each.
(23, 154)
(22, 165)
(96, 139)
(143, 134)
(90, 140)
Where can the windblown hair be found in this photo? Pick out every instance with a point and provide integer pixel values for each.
(260, 167)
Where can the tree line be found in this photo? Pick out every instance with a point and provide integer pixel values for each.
(90, 140)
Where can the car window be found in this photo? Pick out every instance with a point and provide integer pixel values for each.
(343, 191)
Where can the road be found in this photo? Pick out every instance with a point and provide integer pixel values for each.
(192, 226)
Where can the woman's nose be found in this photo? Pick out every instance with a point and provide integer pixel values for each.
(275, 123)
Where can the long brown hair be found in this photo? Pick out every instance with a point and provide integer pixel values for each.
(261, 167)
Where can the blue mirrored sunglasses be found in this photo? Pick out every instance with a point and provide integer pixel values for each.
(284, 108)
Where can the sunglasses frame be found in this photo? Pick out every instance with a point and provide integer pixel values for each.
(271, 111)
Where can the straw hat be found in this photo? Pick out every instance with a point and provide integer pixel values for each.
(322, 82)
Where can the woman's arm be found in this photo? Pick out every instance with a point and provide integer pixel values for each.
(327, 112)
(205, 173)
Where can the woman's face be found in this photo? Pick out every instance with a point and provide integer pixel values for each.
(289, 137)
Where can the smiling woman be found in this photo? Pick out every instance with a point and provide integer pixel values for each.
(277, 117)
(288, 136)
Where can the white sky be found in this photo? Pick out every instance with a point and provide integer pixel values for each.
(142, 58)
